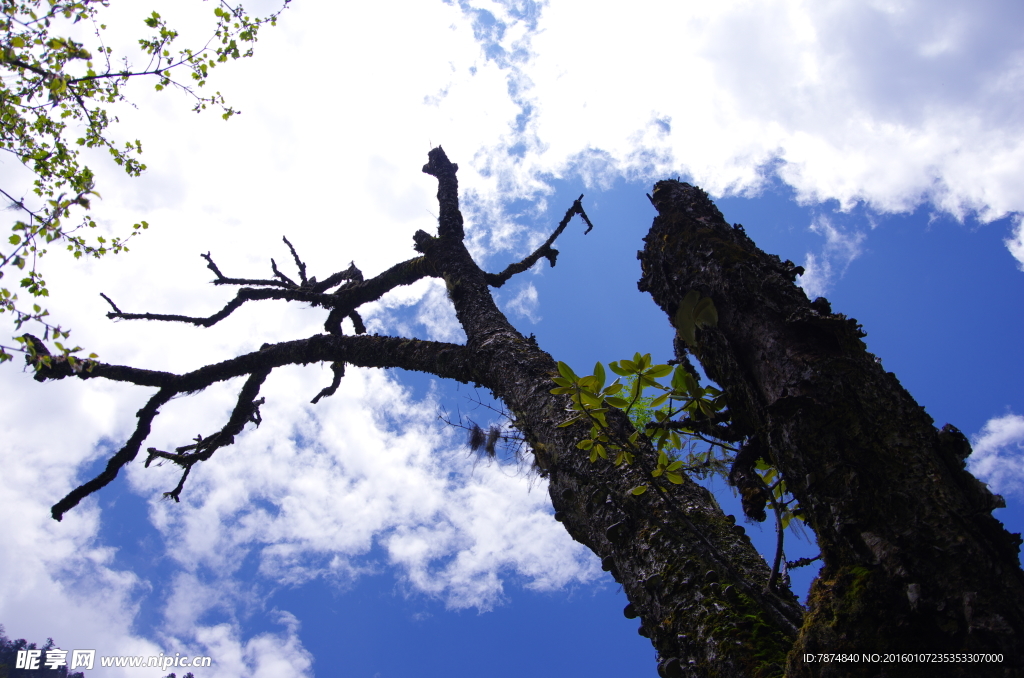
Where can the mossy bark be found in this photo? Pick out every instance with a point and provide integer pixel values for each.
(914, 561)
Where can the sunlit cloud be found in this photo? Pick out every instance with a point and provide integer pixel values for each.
(998, 456)
(525, 303)
(1015, 243)
(840, 249)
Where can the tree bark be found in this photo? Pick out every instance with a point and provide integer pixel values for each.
(914, 562)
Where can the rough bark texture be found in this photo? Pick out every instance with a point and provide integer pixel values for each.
(913, 559)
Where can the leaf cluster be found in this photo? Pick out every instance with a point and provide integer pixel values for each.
(694, 311)
(591, 400)
(788, 508)
(55, 96)
(673, 421)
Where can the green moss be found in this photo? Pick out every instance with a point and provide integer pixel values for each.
(740, 622)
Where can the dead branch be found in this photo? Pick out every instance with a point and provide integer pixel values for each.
(443, 359)
(546, 250)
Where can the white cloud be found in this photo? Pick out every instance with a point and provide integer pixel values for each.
(840, 249)
(890, 104)
(315, 487)
(525, 303)
(998, 456)
(1015, 243)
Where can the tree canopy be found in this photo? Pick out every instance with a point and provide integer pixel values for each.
(59, 95)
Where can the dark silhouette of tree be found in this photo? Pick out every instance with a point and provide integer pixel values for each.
(9, 659)
(913, 560)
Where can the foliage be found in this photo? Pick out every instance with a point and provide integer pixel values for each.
(694, 312)
(654, 418)
(9, 653)
(55, 99)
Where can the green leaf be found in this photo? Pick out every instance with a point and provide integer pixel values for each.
(585, 444)
(566, 371)
(705, 313)
(599, 374)
(617, 402)
(569, 422)
(14, 239)
(674, 466)
(657, 402)
(601, 451)
(614, 388)
(638, 490)
(18, 41)
(683, 319)
(659, 371)
(617, 369)
(629, 366)
(674, 478)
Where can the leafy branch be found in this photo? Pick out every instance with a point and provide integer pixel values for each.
(673, 421)
(54, 99)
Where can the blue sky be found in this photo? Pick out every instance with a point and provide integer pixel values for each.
(876, 144)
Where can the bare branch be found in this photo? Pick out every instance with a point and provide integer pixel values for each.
(343, 302)
(247, 409)
(112, 304)
(357, 321)
(122, 457)
(339, 371)
(243, 295)
(350, 297)
(449, 221)
(443, 359)
(351, 274)
(298, 262)
(545, 250)
(288, 281)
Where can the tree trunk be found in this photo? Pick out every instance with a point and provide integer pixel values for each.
(914, 562)
(691, 575)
